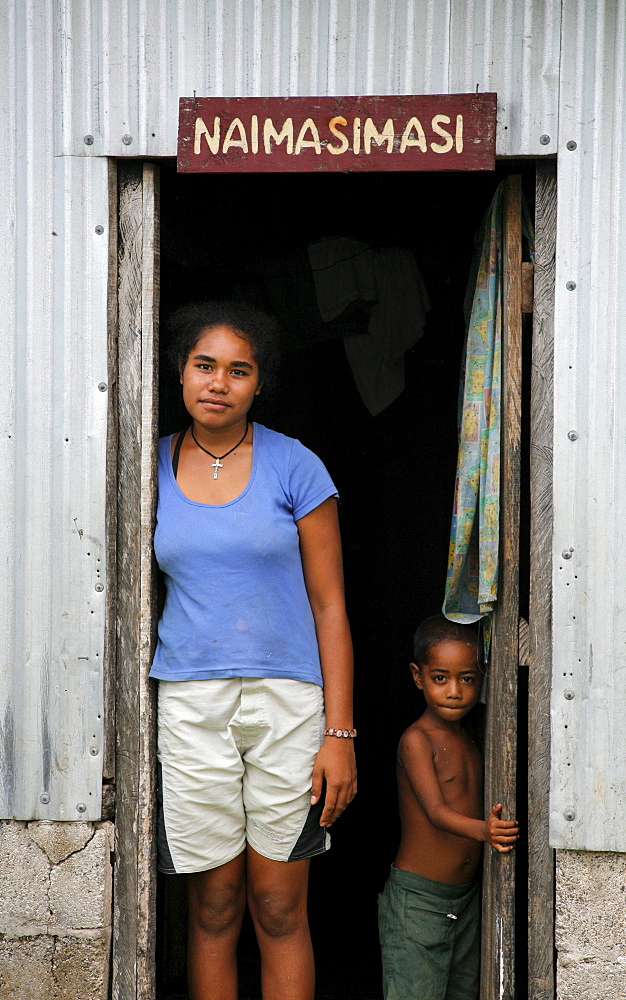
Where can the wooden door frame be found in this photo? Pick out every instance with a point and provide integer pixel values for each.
(498, 913)
(133, 415)
(132, 488)
(497, 977)
(541, 857)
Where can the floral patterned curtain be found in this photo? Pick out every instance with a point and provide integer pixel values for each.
(472, 578)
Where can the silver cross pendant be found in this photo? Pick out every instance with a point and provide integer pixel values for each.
(216, 465)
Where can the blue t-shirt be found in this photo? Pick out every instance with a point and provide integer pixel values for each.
(236, 604)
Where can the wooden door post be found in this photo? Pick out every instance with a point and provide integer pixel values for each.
(498, 919)
(540, 855)
(135, 869)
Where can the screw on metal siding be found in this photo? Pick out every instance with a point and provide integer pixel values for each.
(544, 139)
(571, 144)
(88, 140)
(81, 807)
(570, 285)
(572, 435)
(102, 386)
(566, 554)
(45, 798)
(99, 230)
(127, 139)
(568, 695)
(100, 586)
(569, 815)
(94, 751)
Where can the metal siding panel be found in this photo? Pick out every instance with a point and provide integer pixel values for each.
(426, 57)
(26, 680)
(53, 293)
(78, 449)
(123, 67)
(512, 48)
(589, 655)
(9, 85)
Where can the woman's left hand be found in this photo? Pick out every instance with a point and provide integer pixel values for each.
(335, 765)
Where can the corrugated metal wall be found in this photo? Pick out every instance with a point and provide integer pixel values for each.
(53, 354)
(588, 799)
(124, 65)
(114, 72)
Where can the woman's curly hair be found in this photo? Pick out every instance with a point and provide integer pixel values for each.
(256, 327)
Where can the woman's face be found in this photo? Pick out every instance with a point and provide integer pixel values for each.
(220, 378)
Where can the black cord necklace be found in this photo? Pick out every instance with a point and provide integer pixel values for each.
(217, 464)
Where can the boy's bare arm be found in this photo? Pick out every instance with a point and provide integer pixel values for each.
(416, 757)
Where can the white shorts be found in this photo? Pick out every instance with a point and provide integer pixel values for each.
(236, 758)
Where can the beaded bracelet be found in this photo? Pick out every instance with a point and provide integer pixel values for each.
(347, 733)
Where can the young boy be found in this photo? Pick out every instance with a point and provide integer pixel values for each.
(429, 911)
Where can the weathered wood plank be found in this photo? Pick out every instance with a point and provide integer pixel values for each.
(134, 917)
(146, 848)
(128, 561)
(110, 636)
(540, 856)
(128, 557)
(498, 927)
(528, 280)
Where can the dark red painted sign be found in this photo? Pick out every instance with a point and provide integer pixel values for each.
(275, 134)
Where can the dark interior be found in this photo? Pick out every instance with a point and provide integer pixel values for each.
(221, 237)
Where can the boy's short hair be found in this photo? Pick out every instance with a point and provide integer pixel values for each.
(438, 629)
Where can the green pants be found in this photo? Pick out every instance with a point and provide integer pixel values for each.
(429, 937)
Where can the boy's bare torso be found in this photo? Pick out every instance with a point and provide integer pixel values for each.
(425, 849)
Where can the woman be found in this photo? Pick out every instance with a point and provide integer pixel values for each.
(253, 626)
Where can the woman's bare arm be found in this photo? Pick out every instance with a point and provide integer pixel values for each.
(320, 546)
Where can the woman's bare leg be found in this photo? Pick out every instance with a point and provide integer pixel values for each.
(277, 898)
(217, 901)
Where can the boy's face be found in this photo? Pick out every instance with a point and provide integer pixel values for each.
(450, 679)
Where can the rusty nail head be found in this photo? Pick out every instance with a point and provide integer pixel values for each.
(45, 798)
(570, 285)
(572, 435)
(102, 386)
(544, 139)
(81, 807)
(571, 144)
(569, 815)
(568, 695)
(88, 140)
(127, 139)
(99, 230)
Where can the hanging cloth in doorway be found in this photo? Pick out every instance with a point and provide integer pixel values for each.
(472, 579)
(345, 272)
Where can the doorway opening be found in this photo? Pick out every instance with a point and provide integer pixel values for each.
(234, 236)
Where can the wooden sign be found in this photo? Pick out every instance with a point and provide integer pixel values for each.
(309, 134)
